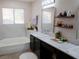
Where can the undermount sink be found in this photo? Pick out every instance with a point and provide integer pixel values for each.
(74, 49)
(66, 45)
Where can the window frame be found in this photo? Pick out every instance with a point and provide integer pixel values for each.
(48, 3)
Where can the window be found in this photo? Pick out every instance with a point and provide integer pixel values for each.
(47, 2)
(19, 16)
(13, 16)
(46, 17)
(7, 16)
(47, 22)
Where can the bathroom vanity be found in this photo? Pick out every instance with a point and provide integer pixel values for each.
(46, 48)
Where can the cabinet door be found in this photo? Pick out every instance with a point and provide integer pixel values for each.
(32, 43)
(35, 45)
(62, 55)
(45, 51)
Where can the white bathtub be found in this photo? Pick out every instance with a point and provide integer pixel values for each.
(12, 45)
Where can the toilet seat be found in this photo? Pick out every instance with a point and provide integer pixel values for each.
(28, 55)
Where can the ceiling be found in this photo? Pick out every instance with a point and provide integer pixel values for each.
(26, 0)
(22, 0)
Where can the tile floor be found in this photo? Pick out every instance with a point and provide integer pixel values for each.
(14, 55)
(10, 56)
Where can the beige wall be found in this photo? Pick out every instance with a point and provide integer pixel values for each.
(61, 5)
(16, 4)
(36, 10)
(7, 31)
(65, 5)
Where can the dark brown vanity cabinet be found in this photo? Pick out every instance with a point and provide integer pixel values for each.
(46, 51)
(35, 45)
(32, 41)
(39, 48)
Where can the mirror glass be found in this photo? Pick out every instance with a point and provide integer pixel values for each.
(48, 20)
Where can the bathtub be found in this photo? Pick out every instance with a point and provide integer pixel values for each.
(12, 45)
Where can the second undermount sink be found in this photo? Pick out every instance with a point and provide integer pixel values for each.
(67, 45)
(74, 49)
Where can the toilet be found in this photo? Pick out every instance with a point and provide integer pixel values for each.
(28, 55)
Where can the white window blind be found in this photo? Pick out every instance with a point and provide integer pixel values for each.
(19, 16)
(7, 16)
(13, 16)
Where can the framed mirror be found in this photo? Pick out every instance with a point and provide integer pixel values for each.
(48, 20)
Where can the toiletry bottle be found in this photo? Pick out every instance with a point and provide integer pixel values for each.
(65, 14)
(69, 13)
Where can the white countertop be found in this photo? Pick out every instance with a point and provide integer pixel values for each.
(68, 48)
